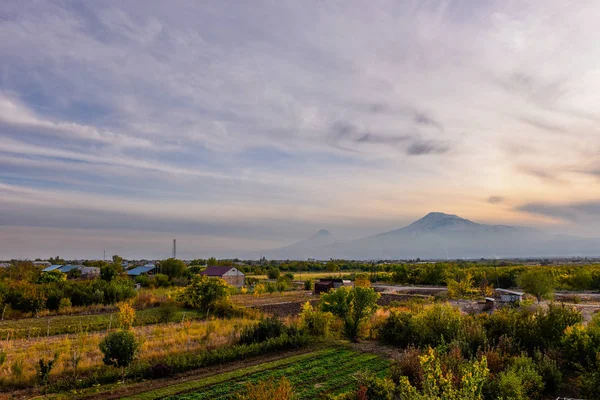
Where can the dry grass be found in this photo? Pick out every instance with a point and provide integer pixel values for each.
(157, 342)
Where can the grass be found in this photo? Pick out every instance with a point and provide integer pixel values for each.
(312, 375)
(310, 275)
(157, 342)
(68, 324)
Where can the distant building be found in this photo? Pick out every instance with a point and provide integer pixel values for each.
(90, 272)
(231, 275)
(509, 296)
(5, 265)
(41, 264)
(148, 269)
(52, 268)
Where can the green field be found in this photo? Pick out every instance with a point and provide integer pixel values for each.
(311, 374)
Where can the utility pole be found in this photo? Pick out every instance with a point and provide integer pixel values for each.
(174, 248)
(104, 255)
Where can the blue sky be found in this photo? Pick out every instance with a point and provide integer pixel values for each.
(248, 125)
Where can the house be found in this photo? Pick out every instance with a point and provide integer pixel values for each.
(148, 269)
(66, 268)
(5, 265)
(509, 296)
(52, 268)
(231, 275)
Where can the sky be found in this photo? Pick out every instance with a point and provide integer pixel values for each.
(235, 126)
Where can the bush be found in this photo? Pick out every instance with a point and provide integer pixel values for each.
(309, 284)
(315, 322)
(119, 349)
(166, 311)
(269, 327)
(273, 273)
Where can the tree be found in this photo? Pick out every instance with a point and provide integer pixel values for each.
(51, 277)
(108, 272)
(537, 283)
(119, 349)
(172, 267)
(353, 305)
(211, 262)
(273, 273)
(203, 292)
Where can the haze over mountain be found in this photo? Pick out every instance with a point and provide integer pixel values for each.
(441, 236)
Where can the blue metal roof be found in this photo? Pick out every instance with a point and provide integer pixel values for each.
(141, 270)
(67, 268)
(51, 268)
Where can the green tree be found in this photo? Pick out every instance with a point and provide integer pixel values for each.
(203, 292)
(353, 305)
(51, 277)
(273, 273)
(537, 283)
(211, 262)
(108, 272)
(119, 349)
(172, 267)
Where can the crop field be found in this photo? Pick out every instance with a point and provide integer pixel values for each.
(311, 374)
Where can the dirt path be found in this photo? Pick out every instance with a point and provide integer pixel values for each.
(117, 392)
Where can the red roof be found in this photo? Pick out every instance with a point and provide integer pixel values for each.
(215, 271)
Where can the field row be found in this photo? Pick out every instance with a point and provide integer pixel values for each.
(310, 374)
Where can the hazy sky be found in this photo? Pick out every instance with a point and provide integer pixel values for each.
(234, 125)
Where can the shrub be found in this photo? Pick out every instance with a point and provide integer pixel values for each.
(436, 324)
(315, 322)
(309, 284)
(273, 273)
(172, 267)
(126, 315)
(119, 349)
(166, 311)
(269, 327)
(43, 369)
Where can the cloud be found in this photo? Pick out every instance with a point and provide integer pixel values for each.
(543, 174)
(420, 147)
(582, 212)
(495, 199)
(118, 107)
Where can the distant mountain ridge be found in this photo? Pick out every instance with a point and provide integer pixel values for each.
(441, 236)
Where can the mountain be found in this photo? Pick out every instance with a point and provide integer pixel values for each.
(304, 248)
(443, 236)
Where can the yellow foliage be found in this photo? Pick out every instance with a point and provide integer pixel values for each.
(259, 289)
(126, 315)
(268, 390)
(362, 280)
(243, 290)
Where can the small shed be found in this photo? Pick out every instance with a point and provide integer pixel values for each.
(231, 275)
(323, 286)
(509, 296)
